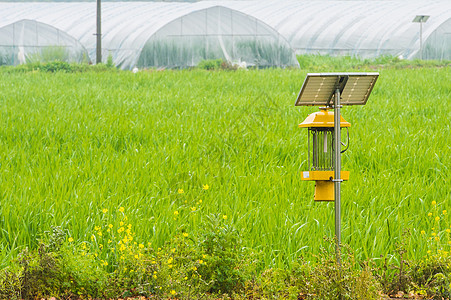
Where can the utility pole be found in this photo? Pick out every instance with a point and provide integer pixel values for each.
(99, 34)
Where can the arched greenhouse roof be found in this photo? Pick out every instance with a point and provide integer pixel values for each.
(128, 26)
(361, 28)
(137, 33)
(29, 40)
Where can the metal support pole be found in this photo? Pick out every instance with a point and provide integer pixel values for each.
(337, 180)
(99, 34)
(421, 40)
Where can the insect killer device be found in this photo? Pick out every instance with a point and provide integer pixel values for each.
(330, 91)
(321, 160)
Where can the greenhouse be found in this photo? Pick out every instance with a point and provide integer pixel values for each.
(366, 29)
(169, 35)
(264, 33)
(27, 41)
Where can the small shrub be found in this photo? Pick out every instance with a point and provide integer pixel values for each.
(222, 247)
(211, 64)
(109, 62)
(10, 283)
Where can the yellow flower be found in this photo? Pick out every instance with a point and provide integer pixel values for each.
(71, 240)
(154, 276)
(444, 212)
(449, 242)
(121, 223)
(105, 210)
(141, 246)
(429, 214)
(121, 209)
(180, 191)
(448, 230)
(136, 256)
(206, 187)
(200, 261)
(110, 225)
(93, 237)
(99, 233)
(200, 201)
(437, 218)
(434, 234)
(429, 251)
(109, 241)
(185, 234)
(96, 228)
(173, 292)
(423, 232)
(434, 203)
(186, 277)
(193, 208)
(176, 213)
(204, 256)
(170, 260)
(224, 217)
(437, 238)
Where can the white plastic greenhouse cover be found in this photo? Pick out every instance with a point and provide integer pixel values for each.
(27, 41)
(359, 28)
(365, 28)
(127, 28)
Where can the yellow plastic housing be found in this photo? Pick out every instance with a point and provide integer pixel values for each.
(324, 187)
(323, 175)
(323, 118)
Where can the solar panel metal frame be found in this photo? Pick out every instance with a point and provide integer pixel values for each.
(319, 88)
(421, 19)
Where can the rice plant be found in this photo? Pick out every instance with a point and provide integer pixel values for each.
(174, 147)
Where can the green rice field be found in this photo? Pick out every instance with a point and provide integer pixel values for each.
(174, 147)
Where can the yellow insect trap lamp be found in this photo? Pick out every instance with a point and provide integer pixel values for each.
(321, 160)
(330, 91)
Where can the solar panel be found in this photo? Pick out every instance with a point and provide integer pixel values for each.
(319, 88)
(420, 19)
